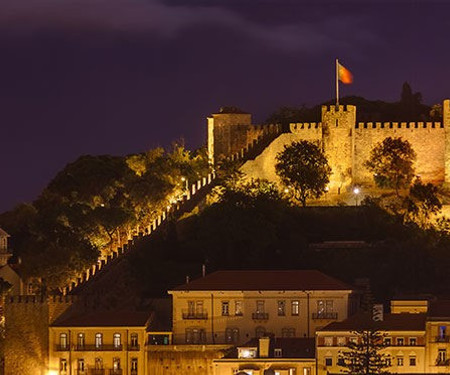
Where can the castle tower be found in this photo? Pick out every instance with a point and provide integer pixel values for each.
(227, 132)
(446, 123)
(338, 124)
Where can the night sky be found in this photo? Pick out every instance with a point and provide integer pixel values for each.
(121, 76)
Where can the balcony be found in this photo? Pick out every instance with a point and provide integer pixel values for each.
(62, 348)
(195, 315)
(116, 372)
(325, 315)
(442, 362)
(134, 348)
(96, 371)
(260, 315)
(442, 339)
(99, 348)
(134, 372)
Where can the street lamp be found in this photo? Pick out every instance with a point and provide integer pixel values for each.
(356, 191)
(186, 183)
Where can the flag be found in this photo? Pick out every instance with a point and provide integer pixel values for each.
(344, 75)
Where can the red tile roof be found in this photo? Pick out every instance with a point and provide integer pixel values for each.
(391, 322)
(106, 319)
(266, 280)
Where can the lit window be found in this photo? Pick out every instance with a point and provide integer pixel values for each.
(238, 308)
(412, 361)
(117, 341)
(260, 307)
(306, 370)
(80, 340)
(281, 308)
(134, 340)
(116, 364)
(328, 341)
(295, 307)
(247, 352)
(98, 363)
(225, 308)
(63, 341)
(80, 364)
(399, 361)
(341, 341)
(412, 341)
(63, 365)
(134, 364)
(98, 340)
(400, 341)
(387, 341)
(277, 353)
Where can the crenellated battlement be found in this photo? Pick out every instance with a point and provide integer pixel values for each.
(337, 109)
(399, 125)
(299, 126)
(41, 299)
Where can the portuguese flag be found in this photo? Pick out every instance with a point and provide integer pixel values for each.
(344, 75)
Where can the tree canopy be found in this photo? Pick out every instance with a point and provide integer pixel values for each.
(391, 162)
(303, 167)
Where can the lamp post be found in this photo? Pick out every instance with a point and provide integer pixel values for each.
(356, 191)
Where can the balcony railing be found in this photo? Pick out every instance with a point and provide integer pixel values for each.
(325, 315)
(98, 348)
(115, 372)
(62, 348)
(442, 362)
(133, 372)
(134, 348)
(442, 339)
(260, 315)
(198, 315)
(96, 371)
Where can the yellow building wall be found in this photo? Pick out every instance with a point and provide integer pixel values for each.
(89, 354)
(282, 366)
(215, 324)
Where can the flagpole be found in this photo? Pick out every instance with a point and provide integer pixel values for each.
(337, 82)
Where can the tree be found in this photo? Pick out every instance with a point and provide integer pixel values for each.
(422, 203)
(391, 163)
(303, 167)
(365, 356)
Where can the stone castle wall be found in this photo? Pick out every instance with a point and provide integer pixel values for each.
(27, 319)
(427, 140)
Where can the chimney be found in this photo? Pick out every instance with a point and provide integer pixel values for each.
(264, 343)
(203, 270)
(377, 313)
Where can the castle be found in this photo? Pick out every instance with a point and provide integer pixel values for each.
(346, 143)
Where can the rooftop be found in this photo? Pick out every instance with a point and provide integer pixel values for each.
(266, 280)
(106, 319)
(391, 322)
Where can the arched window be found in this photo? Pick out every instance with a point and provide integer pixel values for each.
(134, 340)
(260, 332)
(63, 341)
(117, 341)
(98, 340)
(232, 335)
(80, 341)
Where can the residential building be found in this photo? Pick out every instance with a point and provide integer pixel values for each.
(404, 335)
(100, 343)
(268, 355)
(231, 307)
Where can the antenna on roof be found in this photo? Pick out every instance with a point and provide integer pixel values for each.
(203, 270)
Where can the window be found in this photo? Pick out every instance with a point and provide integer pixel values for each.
(260, 332)
(116, 363)
(400, 341)
(328, 361)
(399, 361)
(324, 308)
(412, 360)
(80, 364)
(195, 336)
(232, 335)
(412, 341)
(260, 308)
(191, 307)
(340, 361)
(387, 341)
(281, 308)
(63, 365)
(134, 340)
(295, 307)
(442, 331)
(225, 308)
(306, 370)
(199, 307)
(442, 356)
(98, 340)
(288, 332)
(353, 340)
(237, 307)
(117, 341)
(328, 341)
(277, 353)
(30, 288)
(80, 340)
(341, 341)
(134, 364)
(247, 352)
(98, 363)
(63, 340)
(388, 361)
